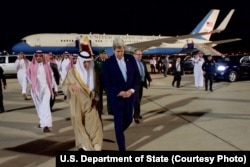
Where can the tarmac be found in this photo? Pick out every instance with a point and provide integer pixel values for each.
(174, 119)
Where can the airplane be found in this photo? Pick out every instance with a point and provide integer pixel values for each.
(198, 39)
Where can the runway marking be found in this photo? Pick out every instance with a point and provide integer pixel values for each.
(67, 128)
(138, 141)
(158, 128)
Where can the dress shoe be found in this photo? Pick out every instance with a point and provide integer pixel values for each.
(137, 120)
(26, 98)
(140, 117)
(46, 129)
(38, 126)
(2, 109)
(81, 149)
(211, 90)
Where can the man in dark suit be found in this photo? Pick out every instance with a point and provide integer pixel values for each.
(177, 72)
(209, 72)
(2, 85)
(53, 65)
(120, 78)
(99, 61)
(144, 78)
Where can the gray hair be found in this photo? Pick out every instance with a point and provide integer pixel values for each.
(138, 49)
(118, 43)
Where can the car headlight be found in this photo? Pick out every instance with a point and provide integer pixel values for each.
(221, 68)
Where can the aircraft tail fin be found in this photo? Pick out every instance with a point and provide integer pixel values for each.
(224, 23)
(207, 24)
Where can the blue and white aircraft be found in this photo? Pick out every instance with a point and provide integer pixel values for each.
(198, 39)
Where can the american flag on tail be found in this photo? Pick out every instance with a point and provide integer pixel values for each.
(210, 24)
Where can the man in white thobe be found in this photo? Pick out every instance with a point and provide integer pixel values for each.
(198, 61)
(63, 68)
(22, 64)
(40, 76)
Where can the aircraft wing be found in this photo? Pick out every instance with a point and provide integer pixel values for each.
(207, 50)
(158, 42)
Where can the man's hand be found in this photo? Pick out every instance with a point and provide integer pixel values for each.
(125, 94)
(149, 83)
(122, 94)
(94, 103)
(75, 88)
(55, 93)
(128, 93)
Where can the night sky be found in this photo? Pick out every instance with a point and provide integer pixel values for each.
(165, 17)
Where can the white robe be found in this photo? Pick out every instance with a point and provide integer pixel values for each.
(63, 69)
(198, 73)
(42, 97)
(21, 73)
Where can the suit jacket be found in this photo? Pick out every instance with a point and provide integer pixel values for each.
(113, 79)
(2, 79)
(147, 77)
(55, 72)
(175, 70)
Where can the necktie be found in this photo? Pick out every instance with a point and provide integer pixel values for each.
(123, 69)
(141, 70)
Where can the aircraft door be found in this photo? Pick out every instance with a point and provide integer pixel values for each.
(77, 44)
(37, 42)
(190, 44)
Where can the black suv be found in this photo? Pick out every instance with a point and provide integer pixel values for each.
(232, 68)
(188, 64)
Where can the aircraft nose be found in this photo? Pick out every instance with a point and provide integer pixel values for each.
(16, 47)
(19, 47)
